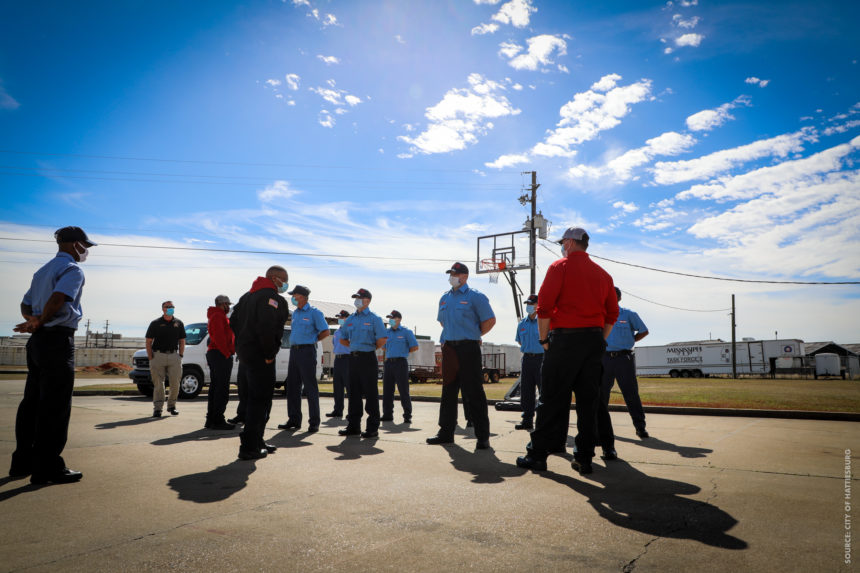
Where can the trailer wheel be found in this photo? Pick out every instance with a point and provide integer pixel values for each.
(697, 373)
(486, 377)
(496, 377)
(674, 373)
(685, 373)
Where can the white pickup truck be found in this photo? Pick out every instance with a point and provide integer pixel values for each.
(195, 370)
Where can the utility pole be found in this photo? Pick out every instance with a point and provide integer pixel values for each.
(532, 228)
(734, 358)
(107, 323)
(87, 337)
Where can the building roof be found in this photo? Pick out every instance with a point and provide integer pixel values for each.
(829, 346)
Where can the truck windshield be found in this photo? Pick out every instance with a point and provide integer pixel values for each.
(195, 333)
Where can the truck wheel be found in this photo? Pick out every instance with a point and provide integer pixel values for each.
(486, 377)
(685, 373)
(697, 373)
(673, 373)
(146, 390)
(495, 377)
(191, 383)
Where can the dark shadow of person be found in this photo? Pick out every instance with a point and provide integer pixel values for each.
(484, 466)
(637, 501)
(289, 439)
(201, 435)
(404, 428)
(214, 485)
(24, 488)
(353, 449)
(121, 423)
(658, 444)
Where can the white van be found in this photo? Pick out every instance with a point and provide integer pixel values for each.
(195, 370)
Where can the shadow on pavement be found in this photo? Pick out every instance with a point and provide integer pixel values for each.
(637, 501)
(355, 448)
(201, 435)
(482, 464)
(658, 444)
(214, 485)
(289, 439)
(121, 423)
(25, 487)
(392, 428)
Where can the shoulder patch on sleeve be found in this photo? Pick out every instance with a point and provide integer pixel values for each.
(273, 302)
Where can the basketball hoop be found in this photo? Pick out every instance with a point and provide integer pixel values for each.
(493, 268)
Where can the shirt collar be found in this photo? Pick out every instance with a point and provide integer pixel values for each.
(61, 254)
(365, 311)
(464, 288)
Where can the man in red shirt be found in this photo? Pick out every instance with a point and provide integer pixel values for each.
(219, 356)
(576, 310)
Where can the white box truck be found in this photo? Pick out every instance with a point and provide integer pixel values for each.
(422, 362)
(697, 359)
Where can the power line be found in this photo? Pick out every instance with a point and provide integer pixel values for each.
(628, 293)
(718, 278)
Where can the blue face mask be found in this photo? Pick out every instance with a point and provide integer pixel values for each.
(358, 303)
(392, 321)
(530, 308)
(170, 311)
(283, 288)
(294, 301)
(341, 321)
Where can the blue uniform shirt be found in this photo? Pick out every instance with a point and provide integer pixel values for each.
(307, 324)
(400, 340)
(528, 336)
(627, 325)
(362, 329)
(60, 274)
(339, 349)
(461, 312)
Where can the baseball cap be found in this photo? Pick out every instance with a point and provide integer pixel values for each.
(532, 299)
(362, 293)
(299, 289)
(72, 235)
(394, 314)
(342, 314)
(575, 233)
(458, 268)
(222, 298)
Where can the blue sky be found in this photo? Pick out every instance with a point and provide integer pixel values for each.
(709, 138)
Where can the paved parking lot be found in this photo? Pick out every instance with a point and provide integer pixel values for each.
(705, 493)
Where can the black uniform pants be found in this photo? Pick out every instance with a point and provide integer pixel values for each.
(396, 373)
(571, 365)
(301, 371)
(42, 423)
(340, 381)
(470, 382)
(242, 391)
(622, 367)
(260, 384)
(363, 376)
(529, 383)
(220, 369)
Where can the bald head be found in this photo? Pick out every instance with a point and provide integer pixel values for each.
(276, 271)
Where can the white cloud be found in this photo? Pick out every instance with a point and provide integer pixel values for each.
(668, 173)
(7, 101)
(517, 87)
(399, 39)
(328, 60)
(689, 40)
(756, 81)
(329, 20)
(293, 81)
(336, 96)
(690, 23)
(280, 189)
(626, 207)
(461, 116)
(508, 161)
(326, 119)
(273, 82)
(352, 100)
(516, 13)
(606, 83)
(621, 168)
(546, 150)
(708, 119)
(483, 29)
(491, 2)
(688, 3)
(540, 52)
(842, 128)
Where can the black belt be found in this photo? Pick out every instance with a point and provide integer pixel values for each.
(460, 342)
(362, 352)
(395, 358)
(576, 330)
(297, 346)
(63, 329)
(532, 354)
(336, 356)
(614, 353)
(164, 351)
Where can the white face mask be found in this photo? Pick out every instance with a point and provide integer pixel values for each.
(454, 281)
(82, 255)
(563, 251)
(358, 303)
(530, 308)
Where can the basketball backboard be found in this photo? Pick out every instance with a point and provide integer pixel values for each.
(503, 252)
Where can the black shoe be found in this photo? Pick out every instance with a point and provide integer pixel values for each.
(582, 467)
(63, 476)
(437, 439)
(313, 429)
(643, 433)
(156, 413)
(173, 411)
(334, 415)
(253, 454)
(288, 425)
(386, 419)
(349, 432)
(609, 455)
(270, 448)
(482, 445)
(220, 426)
(530, 463)
(407, 419)
(236, 420)
(524, 426)
(370, 434)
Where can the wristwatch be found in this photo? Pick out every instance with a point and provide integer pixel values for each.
(544, 341)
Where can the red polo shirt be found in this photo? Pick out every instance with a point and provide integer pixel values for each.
(577, 293)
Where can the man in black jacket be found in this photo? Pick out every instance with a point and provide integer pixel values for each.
(258, 320)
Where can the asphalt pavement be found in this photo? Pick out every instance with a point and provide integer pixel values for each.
(703, 494)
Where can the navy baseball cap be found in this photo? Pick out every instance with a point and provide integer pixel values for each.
(362, 293)
(342, 314)
(73, 235)
(299, 289)
(458, 269)
(532, 299)
(394, 314)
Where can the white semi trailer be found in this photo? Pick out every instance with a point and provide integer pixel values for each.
(697, 359)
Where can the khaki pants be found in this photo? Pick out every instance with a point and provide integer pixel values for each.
(161, 365)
